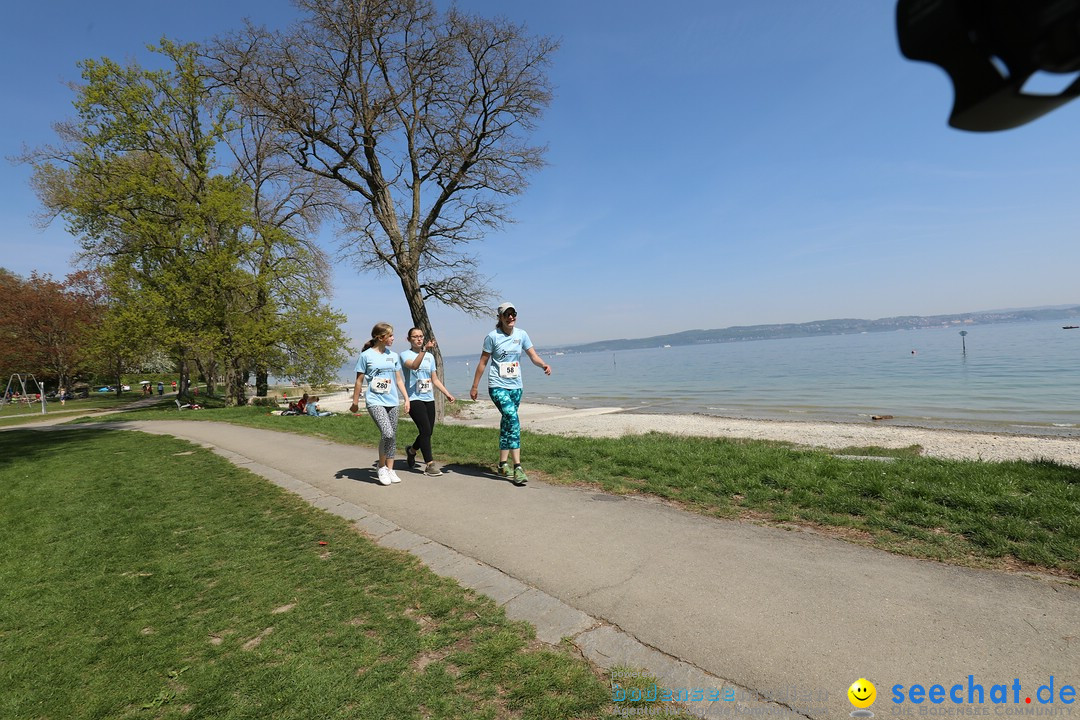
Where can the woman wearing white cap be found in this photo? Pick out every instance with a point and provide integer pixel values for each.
(505, 344)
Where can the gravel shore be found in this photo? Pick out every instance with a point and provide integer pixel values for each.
(615, 422)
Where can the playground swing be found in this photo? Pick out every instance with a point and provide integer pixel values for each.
(24, 397)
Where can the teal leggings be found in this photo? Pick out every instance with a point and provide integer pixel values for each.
(510, 428)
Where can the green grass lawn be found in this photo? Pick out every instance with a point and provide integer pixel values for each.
(144, 577)
(19, 414)
(1012, 514)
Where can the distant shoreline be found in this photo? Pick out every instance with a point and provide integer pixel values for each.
(824, 328)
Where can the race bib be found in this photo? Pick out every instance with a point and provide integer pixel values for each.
(423, 386)
(510, 370)
(381, 385)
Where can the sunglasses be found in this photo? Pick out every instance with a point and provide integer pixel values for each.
(510, 314)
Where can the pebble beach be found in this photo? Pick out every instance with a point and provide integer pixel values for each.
(616, 422)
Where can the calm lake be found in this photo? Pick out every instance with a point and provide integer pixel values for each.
(1014, 377)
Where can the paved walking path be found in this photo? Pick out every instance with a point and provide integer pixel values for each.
(761, 612)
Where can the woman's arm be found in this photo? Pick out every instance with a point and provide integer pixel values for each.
(416, 361)
(442, 388)
(401, 388)
(356, 393)
(537, 361)
(484, 357)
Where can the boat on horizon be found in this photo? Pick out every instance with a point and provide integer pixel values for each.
(1070, 327)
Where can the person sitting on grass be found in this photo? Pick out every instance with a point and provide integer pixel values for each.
(313, 408)
(300, 406)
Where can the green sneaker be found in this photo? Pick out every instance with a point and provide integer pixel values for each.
(504, 470)
(520, 478)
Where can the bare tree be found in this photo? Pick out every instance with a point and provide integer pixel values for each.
(421, 117)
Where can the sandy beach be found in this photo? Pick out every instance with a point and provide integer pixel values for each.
(616, 422)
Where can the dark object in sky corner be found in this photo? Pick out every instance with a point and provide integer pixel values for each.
(990, 49)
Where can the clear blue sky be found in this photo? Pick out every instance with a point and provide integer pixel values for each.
(711, 163)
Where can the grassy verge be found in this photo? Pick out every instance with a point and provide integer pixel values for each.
(1011, 514)
(96, 401)
(141, 576)
(10, 420)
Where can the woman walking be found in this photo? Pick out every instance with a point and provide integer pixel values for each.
(505, 344)
(381, 367)
(418, 367)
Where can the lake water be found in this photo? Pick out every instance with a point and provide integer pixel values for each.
(1014, 377)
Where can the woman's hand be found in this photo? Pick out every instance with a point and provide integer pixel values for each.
(354, 408)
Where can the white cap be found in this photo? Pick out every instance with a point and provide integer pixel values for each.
(504, 307)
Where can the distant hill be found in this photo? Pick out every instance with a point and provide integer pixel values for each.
(843, 326)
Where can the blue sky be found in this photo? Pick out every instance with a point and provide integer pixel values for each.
(711, 163)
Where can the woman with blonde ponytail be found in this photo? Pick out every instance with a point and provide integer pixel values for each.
(381, 367)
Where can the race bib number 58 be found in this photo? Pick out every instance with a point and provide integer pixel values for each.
(510, 370)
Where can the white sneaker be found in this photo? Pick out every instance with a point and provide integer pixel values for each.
(384, 476)
(393, 475)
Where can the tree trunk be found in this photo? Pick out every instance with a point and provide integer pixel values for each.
(119, 382)
(182, 386)
(236, 382)
(262, 382)
(201, 369)
(208, 372)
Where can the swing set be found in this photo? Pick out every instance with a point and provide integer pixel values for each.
(21, 396)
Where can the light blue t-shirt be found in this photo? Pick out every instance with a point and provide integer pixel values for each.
(506, 350)
(418, 382)
(380, 369)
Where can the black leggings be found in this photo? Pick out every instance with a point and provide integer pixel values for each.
(422, 413)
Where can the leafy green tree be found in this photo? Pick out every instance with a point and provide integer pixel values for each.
(287, 205)
(128, 332)
(175, 231)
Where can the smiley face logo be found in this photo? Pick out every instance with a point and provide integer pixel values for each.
(862, 693)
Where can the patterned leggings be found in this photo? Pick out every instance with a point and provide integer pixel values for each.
(386, 419)
(510, 428)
